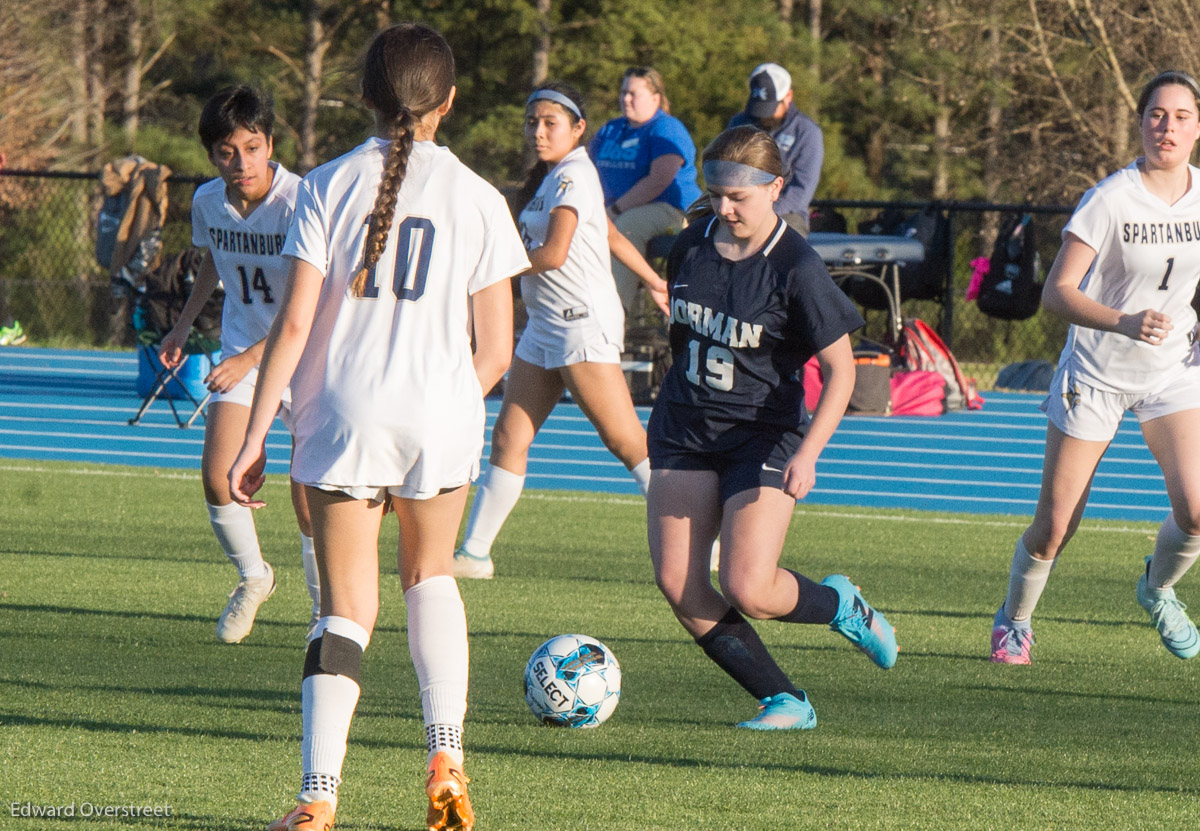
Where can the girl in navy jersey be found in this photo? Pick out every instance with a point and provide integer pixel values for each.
(400, 257)
(1124, 278)
(731, 445)
(576, 327)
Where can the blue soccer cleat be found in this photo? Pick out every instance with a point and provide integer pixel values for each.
(783, 712)
(1176, 629)
(863, 626)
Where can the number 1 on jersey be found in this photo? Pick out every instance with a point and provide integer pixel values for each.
(1170, 265)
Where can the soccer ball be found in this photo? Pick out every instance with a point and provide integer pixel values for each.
(572, 681)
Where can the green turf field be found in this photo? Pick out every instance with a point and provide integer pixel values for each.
(114, 691)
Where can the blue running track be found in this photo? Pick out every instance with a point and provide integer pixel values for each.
(75, 406)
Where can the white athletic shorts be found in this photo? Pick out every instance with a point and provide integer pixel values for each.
(243, 394)
(379, 494)
(551, 345)
(1089, 414)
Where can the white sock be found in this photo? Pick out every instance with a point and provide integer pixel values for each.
(1174, 553)
(437, 641)
(328, 703)
(308, 554)
(641, 474)
(234, 526)
(495, 498)
(1027, 578)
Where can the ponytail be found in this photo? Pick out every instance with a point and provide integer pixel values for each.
(394, 168)
(533, 181)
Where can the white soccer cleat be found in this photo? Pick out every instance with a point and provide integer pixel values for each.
(237, 620)
(472, 567)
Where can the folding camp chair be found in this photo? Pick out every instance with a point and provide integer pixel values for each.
(158, 305)
(183, 383)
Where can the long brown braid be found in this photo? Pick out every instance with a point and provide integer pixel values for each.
(408, 73)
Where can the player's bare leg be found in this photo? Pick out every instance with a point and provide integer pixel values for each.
(437, 642)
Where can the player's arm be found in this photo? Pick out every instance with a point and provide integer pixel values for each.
(629, 256)
(648, 188)
(229, 373)
(837, 368)
(170, 351)
(552, 253)
(1063, 297)
(492, 316)
(283, 348)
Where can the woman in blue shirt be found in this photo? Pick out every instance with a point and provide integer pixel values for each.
(647, 164)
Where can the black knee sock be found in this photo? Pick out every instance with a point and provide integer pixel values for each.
(735, 647)
(816, 604)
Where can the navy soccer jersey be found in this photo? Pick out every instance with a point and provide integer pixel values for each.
(740, 335)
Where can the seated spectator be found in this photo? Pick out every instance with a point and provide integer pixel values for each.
(799, 139)
(647, 165)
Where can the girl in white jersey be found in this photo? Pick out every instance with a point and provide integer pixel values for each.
(400, 255)
(241, 218)
(1124, 278)
(576, 327)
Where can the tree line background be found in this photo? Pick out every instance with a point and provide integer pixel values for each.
(1015, 101)
(1002, 100)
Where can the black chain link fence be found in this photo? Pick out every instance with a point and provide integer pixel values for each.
(983, 345)
(50, 280)
(51, 283)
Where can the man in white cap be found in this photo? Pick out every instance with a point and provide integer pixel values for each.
(799, 138)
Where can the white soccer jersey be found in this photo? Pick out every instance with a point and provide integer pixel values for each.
(385, 393)
(584, 285)
(1147, 257)
(248, 254)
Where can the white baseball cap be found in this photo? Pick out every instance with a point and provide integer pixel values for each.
(769, 83)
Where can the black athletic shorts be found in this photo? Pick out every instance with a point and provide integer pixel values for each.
(744, 458)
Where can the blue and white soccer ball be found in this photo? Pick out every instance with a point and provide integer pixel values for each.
(572, 681)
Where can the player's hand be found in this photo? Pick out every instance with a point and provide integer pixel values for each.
(1148, 326)
(229, 373)
(799, 475)
(658, 293)
(247, 476)
(170, 350)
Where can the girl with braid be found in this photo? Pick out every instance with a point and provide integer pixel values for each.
(731, 445)
(400, 259)
(576, 323)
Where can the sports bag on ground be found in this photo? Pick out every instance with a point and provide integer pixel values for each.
(921, 348)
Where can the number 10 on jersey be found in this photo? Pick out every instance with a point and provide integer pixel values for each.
(414, 247)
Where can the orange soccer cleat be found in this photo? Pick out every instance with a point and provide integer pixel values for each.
(446, 787)
(307, 816)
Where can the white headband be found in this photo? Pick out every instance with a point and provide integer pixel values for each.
(725, 174)
(557, 98)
